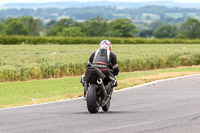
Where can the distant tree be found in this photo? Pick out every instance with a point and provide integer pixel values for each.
(2, 28)
(59, 26)
(15, 27)
(146, 33)
(22, 26)
(86, 13)
(122, 28)
(154, 25)
(165, 31)
(190, 29)
(71, 32)
(50, 24)
(170, 19)
(96, 27)
(33, 26)
(66, 22)
(181, 19)
(162, 15)
(54, 30)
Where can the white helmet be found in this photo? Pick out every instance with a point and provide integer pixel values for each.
(106, 43)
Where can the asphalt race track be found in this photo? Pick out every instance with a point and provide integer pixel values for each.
(169, 106)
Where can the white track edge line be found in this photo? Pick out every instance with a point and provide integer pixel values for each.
(134, 87)
(157, 81)
(145, 123)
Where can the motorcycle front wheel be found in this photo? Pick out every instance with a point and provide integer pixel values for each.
(106, 107)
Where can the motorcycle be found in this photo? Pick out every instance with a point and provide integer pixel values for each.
(96, 95)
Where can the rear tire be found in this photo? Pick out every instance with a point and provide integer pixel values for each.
(92, 103)
(106, 107)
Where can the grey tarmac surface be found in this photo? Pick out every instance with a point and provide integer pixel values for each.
(171, 106)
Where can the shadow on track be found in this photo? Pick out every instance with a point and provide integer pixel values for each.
(109, 112)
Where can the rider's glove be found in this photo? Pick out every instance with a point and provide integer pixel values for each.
(88, 64)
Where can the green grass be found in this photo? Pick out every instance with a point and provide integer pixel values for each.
(123, 76)
(14, 56)
(39, 91)
(25, 62)
(26, 91)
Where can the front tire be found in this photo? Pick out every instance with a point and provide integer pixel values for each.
(106, 107)
(92, 103)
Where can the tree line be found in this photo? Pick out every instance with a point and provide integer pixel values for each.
(99, 27)
(27, 26)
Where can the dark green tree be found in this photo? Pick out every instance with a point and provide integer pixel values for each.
(71, 32)
(15, 27)
(66, 22)
(22, 26)
(50, 24)
(59, 26)
(122, 28)
(147, 33)
(165, 31)
(190, 29)
(95, 27)
(2, 28)
(33, 26)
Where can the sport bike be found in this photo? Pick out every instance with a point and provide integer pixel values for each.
(96, 95)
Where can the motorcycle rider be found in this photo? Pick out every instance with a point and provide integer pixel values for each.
(106, 61)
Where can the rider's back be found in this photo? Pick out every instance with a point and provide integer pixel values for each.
(102, 56)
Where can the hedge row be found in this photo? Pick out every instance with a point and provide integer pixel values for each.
(7, 40)
(46, 70)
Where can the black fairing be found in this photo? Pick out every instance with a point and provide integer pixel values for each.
(93, 74)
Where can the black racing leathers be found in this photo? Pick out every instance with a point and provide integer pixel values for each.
(101, 58)
(106, 61)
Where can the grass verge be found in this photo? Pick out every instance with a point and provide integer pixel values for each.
(34, 92)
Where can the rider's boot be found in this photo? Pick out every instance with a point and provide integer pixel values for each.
(114, 83)
(85, 85)
(85, 89)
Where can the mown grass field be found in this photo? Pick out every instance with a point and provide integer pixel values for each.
(25, 62)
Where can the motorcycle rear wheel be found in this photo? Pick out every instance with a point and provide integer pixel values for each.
(92, 103)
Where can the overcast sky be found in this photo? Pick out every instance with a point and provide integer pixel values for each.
(43, 1)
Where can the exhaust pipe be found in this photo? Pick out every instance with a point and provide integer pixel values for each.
(100, 82)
